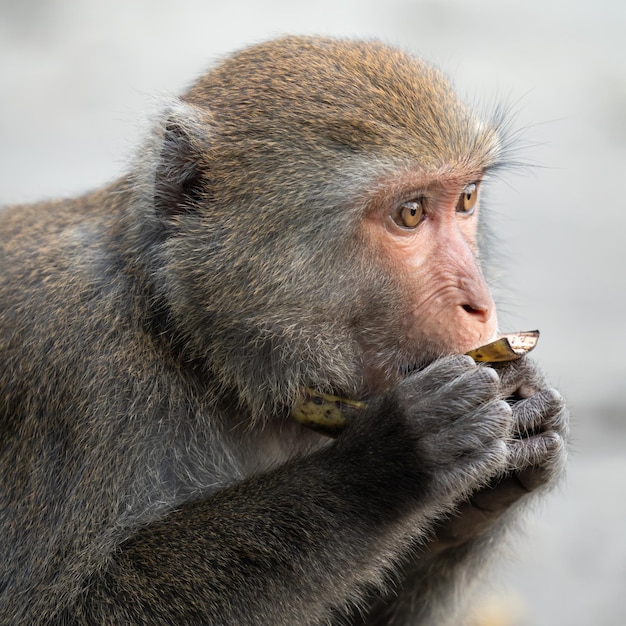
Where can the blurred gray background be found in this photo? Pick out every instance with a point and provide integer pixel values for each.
(79, 79)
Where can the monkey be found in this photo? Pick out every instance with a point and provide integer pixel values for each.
(305, 215)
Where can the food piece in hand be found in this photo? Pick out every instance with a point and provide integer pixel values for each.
(324, 413)
(509, 347)
(327, 414)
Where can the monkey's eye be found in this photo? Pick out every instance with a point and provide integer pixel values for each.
(409, 214)
(468, 198)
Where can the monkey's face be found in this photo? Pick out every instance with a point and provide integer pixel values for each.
(324, 222)
(424, 235)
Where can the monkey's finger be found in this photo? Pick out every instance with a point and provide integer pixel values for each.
(483, 434)
(476, 387)
(537, 458)
(521, 378)
(468, 521)
(543, 411)
(500, 495)
(476, 515)
(438, 377)
(445, 370)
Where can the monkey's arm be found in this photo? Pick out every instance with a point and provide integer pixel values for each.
(463, 543)
(282, 548)
(300, 541)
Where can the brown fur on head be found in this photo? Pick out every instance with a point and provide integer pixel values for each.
(264, 175)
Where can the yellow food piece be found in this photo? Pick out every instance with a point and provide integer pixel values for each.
(327, 414)
(509, 347)
(324, 413)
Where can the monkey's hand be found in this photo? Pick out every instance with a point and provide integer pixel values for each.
(536, 454)
(457, 424)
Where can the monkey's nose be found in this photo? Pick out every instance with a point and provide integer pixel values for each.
(480, 320)
(480, 312)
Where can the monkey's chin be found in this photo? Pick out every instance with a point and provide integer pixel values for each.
(379, 377)
(429, 351)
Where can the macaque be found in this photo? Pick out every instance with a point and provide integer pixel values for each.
(305, 216)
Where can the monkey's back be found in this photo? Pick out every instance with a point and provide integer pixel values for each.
(82, 460)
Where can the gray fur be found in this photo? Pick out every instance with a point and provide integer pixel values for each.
(155, 333)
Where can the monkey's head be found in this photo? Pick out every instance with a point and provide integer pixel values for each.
(314, 219)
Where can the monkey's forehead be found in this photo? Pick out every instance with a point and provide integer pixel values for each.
(341, 94)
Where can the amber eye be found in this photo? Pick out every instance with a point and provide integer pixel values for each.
(468, 198)
(409, 214)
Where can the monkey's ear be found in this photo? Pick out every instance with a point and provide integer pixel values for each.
(179, 186)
